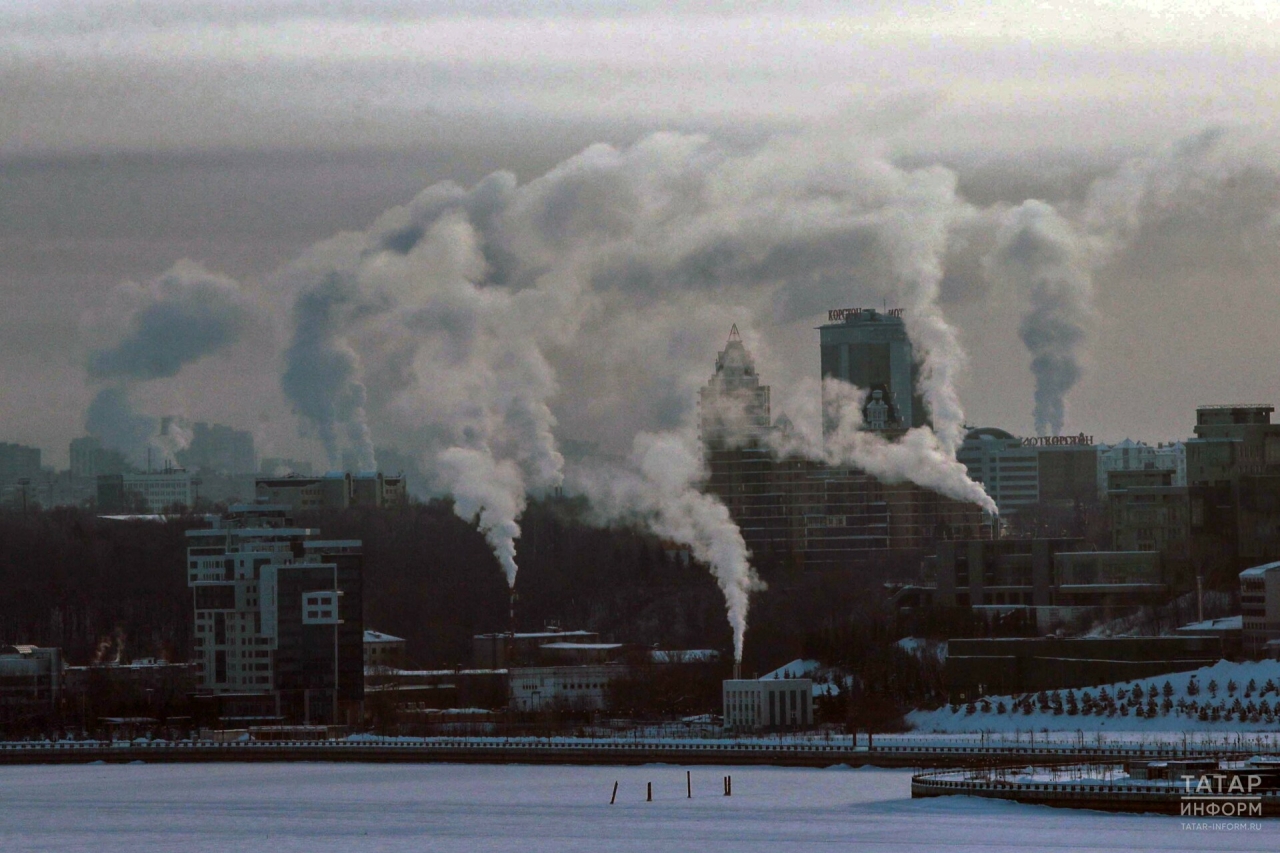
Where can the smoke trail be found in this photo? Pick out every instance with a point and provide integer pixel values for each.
(919, 456)
(322, 372)
(1038, 253)
(112, 418)
(175, 319)
(659, 489)
(490, 492)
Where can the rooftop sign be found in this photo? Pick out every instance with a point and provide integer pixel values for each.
(839, 315)
(1057, 440)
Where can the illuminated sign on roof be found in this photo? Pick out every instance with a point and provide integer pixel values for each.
(840, 315)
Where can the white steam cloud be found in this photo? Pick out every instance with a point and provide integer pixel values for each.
(1039, 253)
(659, 489)
(919, 456)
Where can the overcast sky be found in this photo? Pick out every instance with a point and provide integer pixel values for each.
(237, 135)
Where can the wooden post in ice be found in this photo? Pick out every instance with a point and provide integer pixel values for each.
(688, 782)
(729, 780)
(649, 798)
(615, 793)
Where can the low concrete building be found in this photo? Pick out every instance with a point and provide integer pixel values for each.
(568, 688)
(335, 490)
(1260, 608)
(494, 651)
(767, 704)
(144, 491)
(30, 680)
(383, 650)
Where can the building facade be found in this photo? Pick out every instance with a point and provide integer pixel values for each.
(807, 513)
(144, 491)
(278, 612)
(1023, 472)
(1050, 578)
(219, 449)
(1233, 483)
(870, 349)
(30, 681)
(566, 688)
(1260, 610)
(337, 490)
(767, 704)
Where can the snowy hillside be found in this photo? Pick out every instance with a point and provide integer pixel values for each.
(1223, 697)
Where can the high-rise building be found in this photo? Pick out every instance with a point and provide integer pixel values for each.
(219, 449)
(734, 406)
(1233, 479)
(802, 511)
(90, 459)
(871, 350)
(18, 462)
(278, 613)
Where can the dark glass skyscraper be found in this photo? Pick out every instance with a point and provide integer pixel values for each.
(870, 349)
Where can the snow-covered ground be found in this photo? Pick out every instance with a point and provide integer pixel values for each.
(1180, 717)
(466, 809)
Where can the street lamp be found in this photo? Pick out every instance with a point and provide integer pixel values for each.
(23, 483)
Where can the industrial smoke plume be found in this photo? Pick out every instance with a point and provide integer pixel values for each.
(174, 320)
(474, 325)
(919, 456)
(659, 488)
(1039, 253)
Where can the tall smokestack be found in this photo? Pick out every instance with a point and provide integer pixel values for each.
(737, 670)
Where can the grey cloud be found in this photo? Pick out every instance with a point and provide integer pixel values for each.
(182, 316)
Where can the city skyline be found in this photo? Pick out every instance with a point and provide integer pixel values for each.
(108, 187)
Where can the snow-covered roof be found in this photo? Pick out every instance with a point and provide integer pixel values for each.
(1226, 623)
(1259, 571)
(798, 668)
(684, 656)
(583, 646)
(379, 637)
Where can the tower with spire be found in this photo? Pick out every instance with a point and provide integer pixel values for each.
(734, 406)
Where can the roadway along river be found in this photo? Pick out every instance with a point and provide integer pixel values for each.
(526, 809)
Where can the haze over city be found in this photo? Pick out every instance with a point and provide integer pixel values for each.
(235, 137)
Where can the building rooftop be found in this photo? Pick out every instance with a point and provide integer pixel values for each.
(379, 637)
(1259, 571)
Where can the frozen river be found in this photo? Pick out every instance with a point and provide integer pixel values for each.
(478, 808)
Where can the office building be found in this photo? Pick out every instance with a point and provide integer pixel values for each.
(145, 491)
(734, 406)
(498, 650)
(1233, 482)
(1025, 472)
(218, 449)
(89, 459)
(563, 688)
(804, 512)
(18, 462)
(278, 613)
(383, 650)
(335, 490)
(1149, 512)
(870, 349)
(1051, 579)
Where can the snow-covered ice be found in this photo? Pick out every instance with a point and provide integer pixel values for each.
(525, 809)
